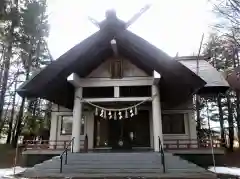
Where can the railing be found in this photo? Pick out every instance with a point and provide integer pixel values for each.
(162, 154)
(66, 153)
(168, 144)
(45, 144)
(181, 144)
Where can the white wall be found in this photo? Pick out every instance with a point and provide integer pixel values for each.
(55, 131)
(190, 127)
(189, 123)
(129, 70)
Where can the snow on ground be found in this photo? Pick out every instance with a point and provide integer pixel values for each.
(9, 172)
(225, 170)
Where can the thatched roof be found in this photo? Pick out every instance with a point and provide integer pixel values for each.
(177, 83)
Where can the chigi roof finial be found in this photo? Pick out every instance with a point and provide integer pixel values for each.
(111, 14)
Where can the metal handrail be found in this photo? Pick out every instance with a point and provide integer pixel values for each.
(162, 154)
(15, 159)
(66, 154)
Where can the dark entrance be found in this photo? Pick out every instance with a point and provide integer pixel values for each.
(122, 134)
(119, 134)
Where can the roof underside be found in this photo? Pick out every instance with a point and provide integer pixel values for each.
(176, 85)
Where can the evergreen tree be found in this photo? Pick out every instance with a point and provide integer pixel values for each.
(32, 34)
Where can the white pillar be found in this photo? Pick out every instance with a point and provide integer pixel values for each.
(156, 117)
(151, 130)
(77, 115)
(116, 92)
(192, 126)
(192, 130)
(53, 130)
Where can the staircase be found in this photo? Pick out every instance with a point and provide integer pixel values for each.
(144, 164)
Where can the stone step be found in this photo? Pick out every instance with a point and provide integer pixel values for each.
(175, 164)
(127, 175)
(100, 167)
(113, 164)
(89, 165)
(105, 162)
(111, 161)
(113, 158)
(96, 170)
(113, 155)
(69, 162)
(117, 153)
(98, 175)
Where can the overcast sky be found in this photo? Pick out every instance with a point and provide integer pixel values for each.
(171, 25)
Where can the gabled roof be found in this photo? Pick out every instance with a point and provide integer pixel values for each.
(177, 83)
(207, 72)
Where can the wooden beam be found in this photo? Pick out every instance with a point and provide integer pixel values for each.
(103, 82)
(76, 81)
(126, 99)
(156, 77)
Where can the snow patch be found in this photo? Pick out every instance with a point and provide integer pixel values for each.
(225, 170)
(9, 172)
